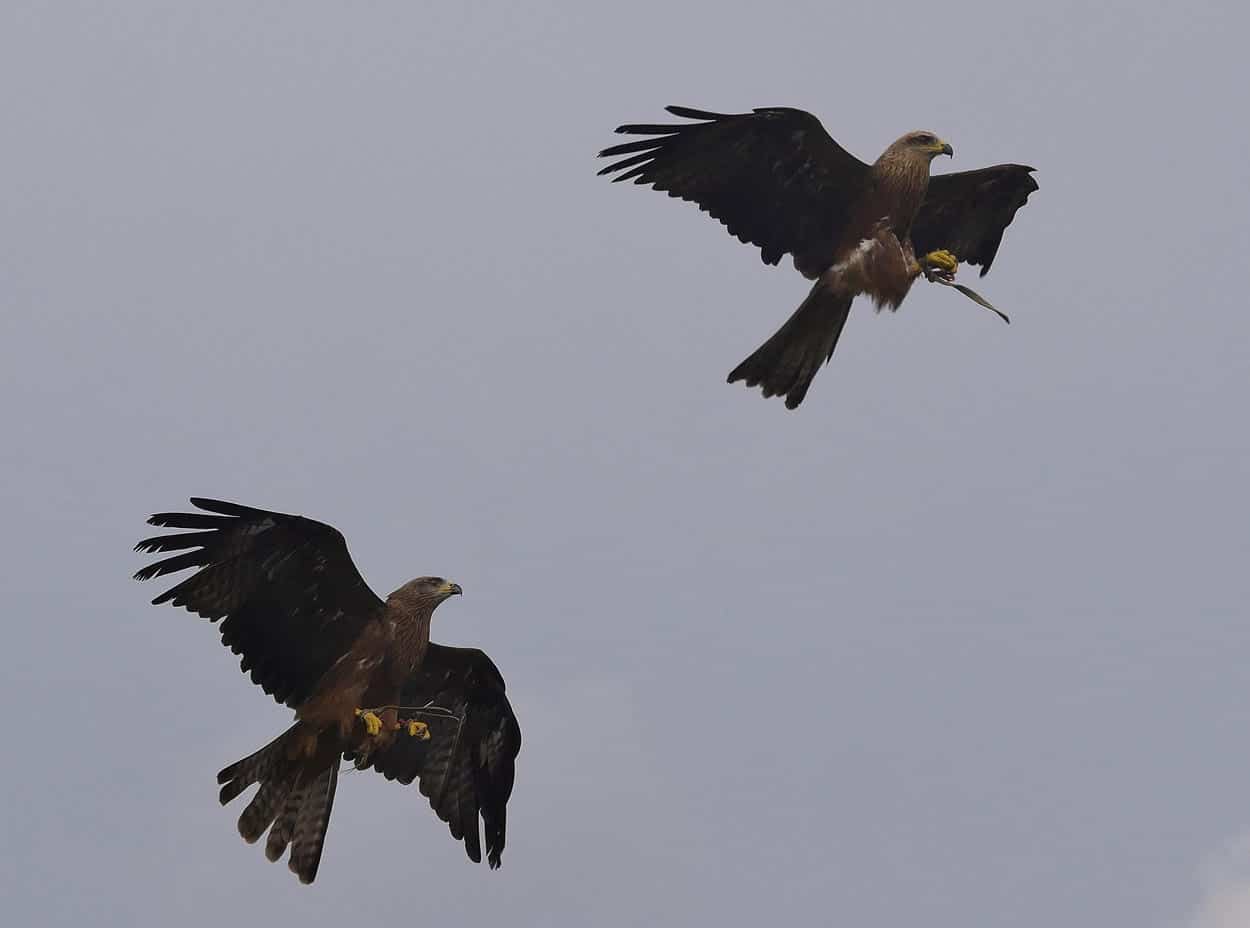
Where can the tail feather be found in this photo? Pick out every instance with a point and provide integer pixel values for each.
(293, 803)
(263, 809)
(786, 363)
(311, 823)
(284, 826)
(254, 768)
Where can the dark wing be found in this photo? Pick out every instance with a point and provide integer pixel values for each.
(467, 766)
(773, 176)
(289, 598)
(967, 212)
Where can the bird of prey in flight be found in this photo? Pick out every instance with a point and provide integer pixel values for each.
(776, 179)
(361, 673)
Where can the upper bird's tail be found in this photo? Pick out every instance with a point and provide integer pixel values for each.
(787, 362)
(297, 774)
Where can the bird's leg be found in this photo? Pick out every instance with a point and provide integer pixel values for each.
(380, 723)
(939, 263)
(415, 729)
(371, 721)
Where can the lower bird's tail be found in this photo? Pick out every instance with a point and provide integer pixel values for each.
(297, 774)
(786, 363)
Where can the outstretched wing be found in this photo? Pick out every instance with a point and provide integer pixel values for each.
(967, 212)
(466, 768)
(773, 176)
(289, 598)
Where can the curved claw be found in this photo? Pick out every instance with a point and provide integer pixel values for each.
(940, 261)
(415, 729)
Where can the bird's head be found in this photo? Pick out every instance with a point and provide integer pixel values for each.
(427, 590)
(924, 144)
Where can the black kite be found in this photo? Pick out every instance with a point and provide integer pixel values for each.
(316, 638)
(776, 179)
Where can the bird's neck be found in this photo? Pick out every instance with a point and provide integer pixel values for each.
(412, 640)
(410, 628)
(901, 184)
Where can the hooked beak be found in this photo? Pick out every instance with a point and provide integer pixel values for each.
(450, 589)
(947, 150)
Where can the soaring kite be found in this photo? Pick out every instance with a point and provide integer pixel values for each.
(776, 179)
(361, 673)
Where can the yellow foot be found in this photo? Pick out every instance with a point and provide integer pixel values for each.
(373, 724)
(940, 260)
(416, 729)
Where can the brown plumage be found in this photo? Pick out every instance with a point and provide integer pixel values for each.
(312, 634)
(777, 180)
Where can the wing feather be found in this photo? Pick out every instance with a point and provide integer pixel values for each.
(466, 769)
(967, 212)
(774, 177)
(288, 598)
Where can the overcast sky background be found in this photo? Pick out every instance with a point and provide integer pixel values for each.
(961, 642)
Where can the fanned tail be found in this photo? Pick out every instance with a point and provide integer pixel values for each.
(786, 363)
(294, 801)
(312, 818)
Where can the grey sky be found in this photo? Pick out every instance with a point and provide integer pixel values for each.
(962, 641)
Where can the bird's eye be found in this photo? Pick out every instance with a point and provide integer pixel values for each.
(926, 139)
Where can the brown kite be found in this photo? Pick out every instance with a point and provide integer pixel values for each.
(776, 179)
(361, 673)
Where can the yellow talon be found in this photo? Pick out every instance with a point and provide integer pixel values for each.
(941, 259)
(373, 724)
(419, 730)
